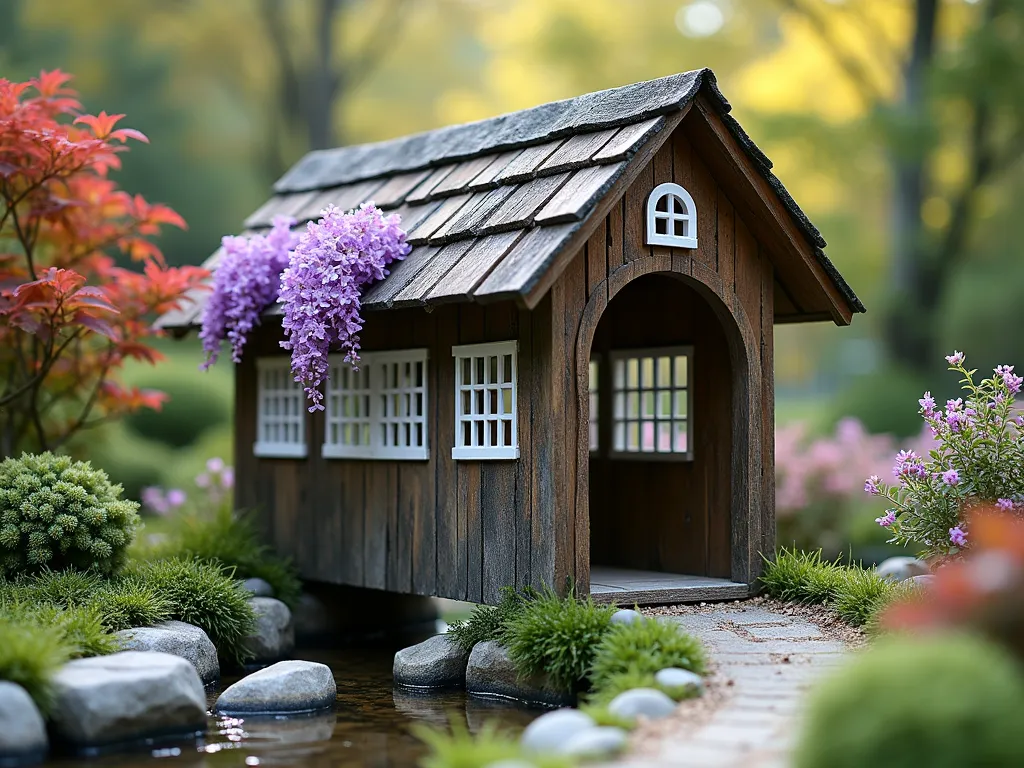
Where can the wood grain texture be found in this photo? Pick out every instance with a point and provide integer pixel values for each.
(422, 191)
(471, 331)
(520, 264)
(628, 139)
(543, 481)
(461, 175)
(475, 264)
(524, 467)
(487, 178)
(448, 208)
(402, 273)
(435, 268)
(576, 151)
(451, 531)
(524, 165)
(579, 194)
(472, 216)
(518, 209)
(393, 192)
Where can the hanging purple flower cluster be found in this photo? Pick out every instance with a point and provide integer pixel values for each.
(334, 260)
(245, 283)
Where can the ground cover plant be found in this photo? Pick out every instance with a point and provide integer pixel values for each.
(56, 513)
(967, 698)
(856, 594)
(458, 748)
(490, 622)
(30, 653)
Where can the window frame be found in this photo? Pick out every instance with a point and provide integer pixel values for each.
(673, 351)
(374, 391)
(671, 190)
(266, 449)
(499, 349)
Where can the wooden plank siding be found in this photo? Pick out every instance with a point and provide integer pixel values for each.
(464, 529)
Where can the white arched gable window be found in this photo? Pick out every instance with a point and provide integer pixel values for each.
(671, 217)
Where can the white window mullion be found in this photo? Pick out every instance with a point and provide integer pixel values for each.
(280, 415)
(485, 401)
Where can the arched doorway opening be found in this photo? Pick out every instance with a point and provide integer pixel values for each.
(661, 437)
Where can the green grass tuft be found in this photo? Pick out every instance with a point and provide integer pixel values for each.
(557, 637)
(461, 749)
(490, 622)
(637, 650)
(612, 685)
(231, 539)
(64, 589)
(130, 602)
(30, 654)
(207, 595)
(601, 716)
(862, 594)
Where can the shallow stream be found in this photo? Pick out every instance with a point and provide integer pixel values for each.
(369, 726)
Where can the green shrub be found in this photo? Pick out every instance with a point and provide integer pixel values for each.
(801, 577)
(65, 588)
(55, 513)
(130, 602)
(631, 652)
(192, 408)
(29, 655)
(943, 702)
(80, 626)
(232, 540)
(460, 749)
(489, 622)
(207, 595)
(557, 637)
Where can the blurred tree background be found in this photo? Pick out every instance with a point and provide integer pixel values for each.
(897, 124)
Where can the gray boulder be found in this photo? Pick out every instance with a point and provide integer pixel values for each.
(902, 568)
(601, 741)
(258, 587)
(285, 688)
(645, 702)
(435, 663)
(177, 638)
(126, 696)
(681, 682)
(22, 730)
(274, 636)
(550, 731)
(626, 616)
(490, 673)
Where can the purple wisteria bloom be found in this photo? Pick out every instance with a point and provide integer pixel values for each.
(887, 519)
(951, 477)
(871, 485)
(1012, 381)
(927, 404)
(957, 536)
(321, 287)
(957, 358)
(908, 464)
(1006, 505)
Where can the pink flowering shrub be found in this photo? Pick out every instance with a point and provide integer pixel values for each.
(978, 460)
(213, 489)
(336, 257)
(818, 483)
(247, 281)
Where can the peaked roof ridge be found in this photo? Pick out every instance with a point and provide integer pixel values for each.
(609, 108)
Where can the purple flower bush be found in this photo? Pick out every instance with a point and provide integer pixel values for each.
(246, 282)
(977, 460)
(213, 488)
(334, 260)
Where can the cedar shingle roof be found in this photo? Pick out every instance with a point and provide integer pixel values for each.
(488, 205)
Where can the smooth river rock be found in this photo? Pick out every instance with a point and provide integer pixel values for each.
(258, 587)
(180, 639)
(646, 702)
(902, 568)
(285, 688)
(22, 729)
(626, 616)
(274, 636)
(550, 731)
(601, 741)
(126, 696)
(680, 682)
(437, 662)
(490, 673)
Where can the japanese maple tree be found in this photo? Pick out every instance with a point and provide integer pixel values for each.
(69, 315)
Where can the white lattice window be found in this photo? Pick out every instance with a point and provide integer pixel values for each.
(592, 387)
(651, 403)
(485, 401)
(280, 411)
(671, 217)
(379, 411)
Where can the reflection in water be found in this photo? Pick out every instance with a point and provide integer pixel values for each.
(368, 727)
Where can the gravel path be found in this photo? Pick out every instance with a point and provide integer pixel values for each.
(764, 657)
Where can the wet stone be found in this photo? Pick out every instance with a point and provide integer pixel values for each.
(274, 636)
(641, 702)
(552, 730)
(288, 687)
(180, 639)
(22, 730)
(435, 663)
(601, 741)
(490, 672)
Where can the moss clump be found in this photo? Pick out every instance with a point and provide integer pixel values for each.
(207, 595)
(943, 702)
(232, 540)
(557, 637)
(629, 655)
(55, 513)
(490, 622)
(30, 654)
(131, 602)
(458, 748)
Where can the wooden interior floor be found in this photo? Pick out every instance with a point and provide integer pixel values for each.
(627, 587)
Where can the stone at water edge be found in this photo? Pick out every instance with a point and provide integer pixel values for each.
(552, 729)
(178, 638)
(126, 696)
(274, 636)
(437, 662)
(647, 702)
(22, 729)
(490, 672)
(902, 568)
(258, 587)
(682, 680)
(285, 688)
(626, 616)
(601, 741)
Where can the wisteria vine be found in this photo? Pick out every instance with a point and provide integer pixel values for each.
(246, 282)
(335, 258)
